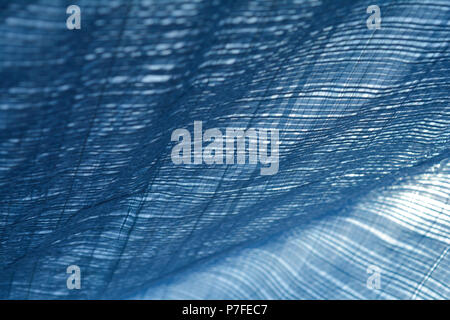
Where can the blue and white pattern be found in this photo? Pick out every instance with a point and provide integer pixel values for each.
(86, 176)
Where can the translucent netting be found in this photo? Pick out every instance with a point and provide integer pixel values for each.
(86, 176)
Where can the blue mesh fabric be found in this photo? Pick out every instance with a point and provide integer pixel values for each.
(86, 176)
